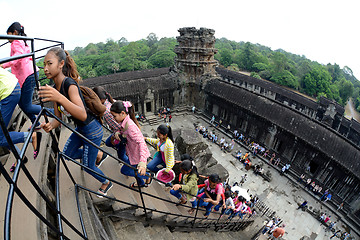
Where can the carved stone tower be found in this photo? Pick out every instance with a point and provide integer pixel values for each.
(195, 63)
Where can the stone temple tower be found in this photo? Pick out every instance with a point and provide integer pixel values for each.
(195, 63)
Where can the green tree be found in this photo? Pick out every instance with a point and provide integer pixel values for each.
(163, 58)
(285, 78)
(226, 57)
(317, 81)
(346, 90)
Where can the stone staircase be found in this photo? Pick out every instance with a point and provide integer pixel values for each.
(100, 215)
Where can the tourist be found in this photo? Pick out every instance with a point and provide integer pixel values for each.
(328, 197)
(283, 169)
(322, 217)
(243, 179)
(229, 204)
(278, 232)
(23, 69)
(10, 94)
(193, 109)
(129, 141)
(303, 205)
(238, 154)
(68, 100)
(188, 186)
(268, 226)
(327, 219)
(212, 120)
(170, 117)
(211, 195)
(331, 226)
(277, 161)
(341, 206)
(301, 178)
(165, 149)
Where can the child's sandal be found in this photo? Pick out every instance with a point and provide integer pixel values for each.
(38, 141)
(12, 169)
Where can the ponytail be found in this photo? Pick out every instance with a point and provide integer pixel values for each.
(186, 165)
(127, 107)
(69, 69)
(19, 28)
(166, 130)
(102, 94)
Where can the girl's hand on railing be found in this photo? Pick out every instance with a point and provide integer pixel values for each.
(141, 171)
(176, 187)
(117, 136)
(47, 126)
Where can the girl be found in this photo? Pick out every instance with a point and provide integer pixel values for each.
(24, 72)
(10, 95)
(165, 149)
(107, 100)
(68, 100)
(136, 151)
(189, 179)
(211, 195)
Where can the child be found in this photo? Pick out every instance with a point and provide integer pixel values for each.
(211, 195)
(165, 149)
(107, 100)
(24, 72)
(68, 100)
(189, 179)
(136, 151)
(10, 95)
(229, 204)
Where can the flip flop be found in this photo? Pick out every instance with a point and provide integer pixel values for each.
(132, 185)
(38, 141)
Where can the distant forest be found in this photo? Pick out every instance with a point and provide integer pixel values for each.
(279, 66)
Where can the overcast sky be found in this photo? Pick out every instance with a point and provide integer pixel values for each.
(323, 31)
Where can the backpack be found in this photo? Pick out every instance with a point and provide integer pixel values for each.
(92, 101)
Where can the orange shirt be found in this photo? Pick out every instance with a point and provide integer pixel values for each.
(278, 232)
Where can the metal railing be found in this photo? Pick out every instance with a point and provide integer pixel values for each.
(58, 230)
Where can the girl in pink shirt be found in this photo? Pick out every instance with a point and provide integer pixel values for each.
(24, 71)
(137, 152)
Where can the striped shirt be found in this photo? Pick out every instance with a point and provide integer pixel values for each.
(109, 118)
(167, 149)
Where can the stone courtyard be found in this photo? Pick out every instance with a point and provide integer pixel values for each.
(282, 194)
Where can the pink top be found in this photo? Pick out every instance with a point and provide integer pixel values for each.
(212, 191)
(136, 148)
(21, 68)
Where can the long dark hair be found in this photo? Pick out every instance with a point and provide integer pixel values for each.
(69, 69)
(103, 94)
(187, 165)
(118, 107)
(19, 28)
(215, 178)
(166, 129)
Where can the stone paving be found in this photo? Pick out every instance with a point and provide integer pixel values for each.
(281, 194)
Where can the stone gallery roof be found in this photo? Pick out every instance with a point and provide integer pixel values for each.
(132, 83)
(326, 102)
(268, 86)
(325, 139)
